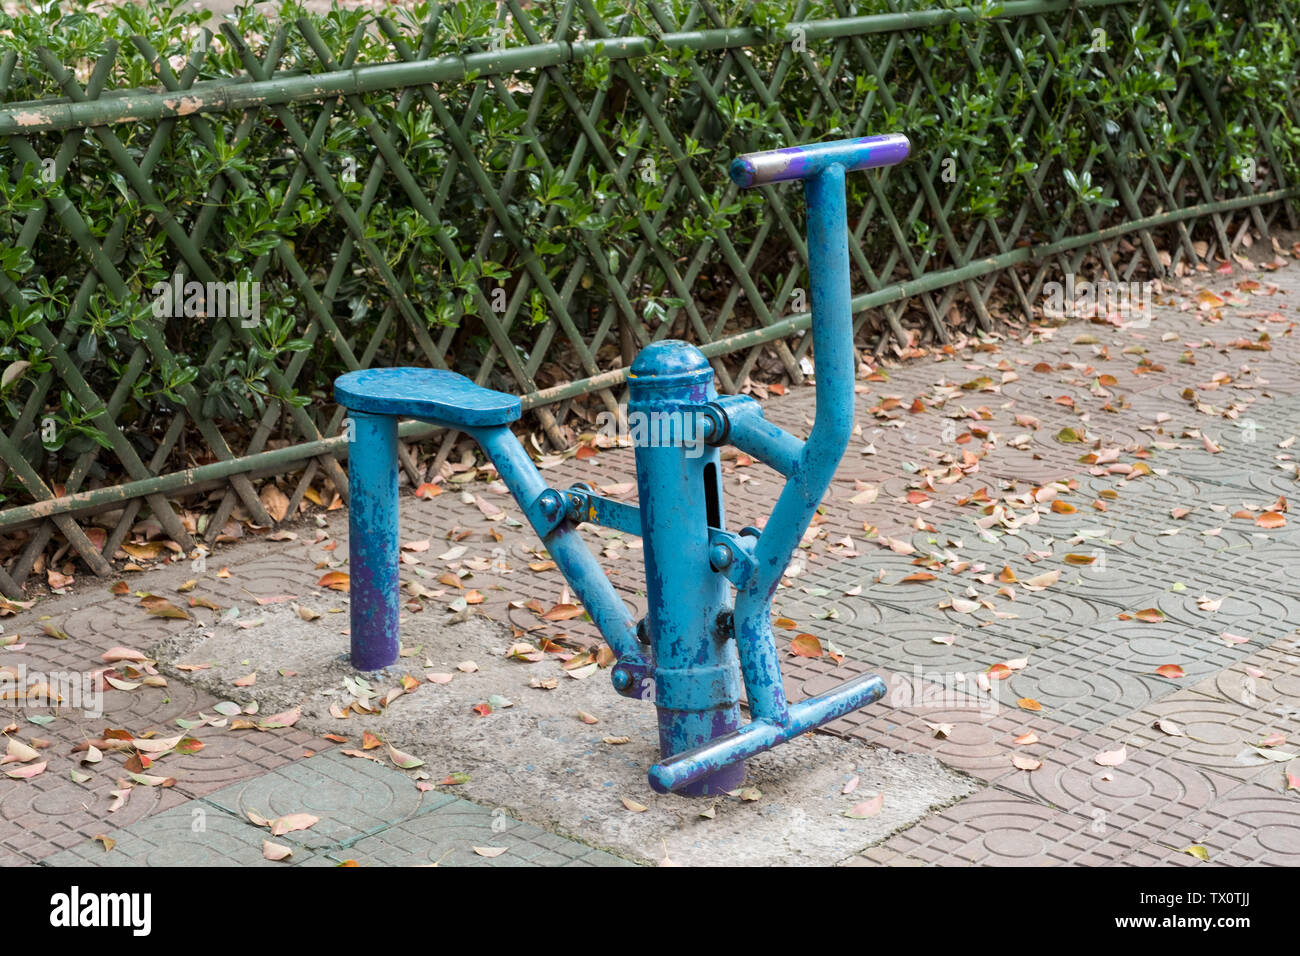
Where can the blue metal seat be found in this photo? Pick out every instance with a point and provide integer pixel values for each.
(428, 394)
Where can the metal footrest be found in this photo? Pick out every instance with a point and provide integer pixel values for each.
(759, 735)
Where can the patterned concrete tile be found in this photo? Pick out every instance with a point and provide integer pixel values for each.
(1281, 480)
(38, 652)
(994, 828)
(1255, 613)
(1047, 611)
(1153, 490)
(48, 813)
(229, 757)
(811, 603)
(968, 542)
(1145, 795)
(1074, 690)
(1188, 556)
(1093, 674)
(352, 797)
(1110, 585)
(1228, 468)
(805, 677)
(974, 737)
(1218, 736)
(148, 708)
(118, 621)
(1266, 567)
(448, 834)
(1268, 679)
(191, 835)
(1254, 825)
(907, 644)
(924, 597)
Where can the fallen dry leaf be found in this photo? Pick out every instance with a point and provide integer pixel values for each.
(276, 851)
(335, 581)
(1111, 758)
(806, 645)
(866, 809)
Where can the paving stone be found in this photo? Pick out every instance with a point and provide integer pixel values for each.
(924, 597)
(352, 797)
(1229, 467)
(40, 653)
(448, 834)
(1267, 567)
(1267, 679)
(975, 737)
(805, 677)
(1145, 795)
(48, 813)
(1076, 690)
(966, 541)
(805, 603)
(123, 621)
(1281, 480)
(229, 757)
(1254, 825)
(149, 708)
(994, 828)
(1218, 736)
(192, 834)
(1187, 557)
(861, 572)
(1153, 489)
(1141, 648)
(1115, 582)
(906, 644)
(1254, 613)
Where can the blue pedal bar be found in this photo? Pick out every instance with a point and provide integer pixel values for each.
(806, 162)
(698, 641)
(684, 769)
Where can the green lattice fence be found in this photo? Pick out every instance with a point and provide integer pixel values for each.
(529, 192)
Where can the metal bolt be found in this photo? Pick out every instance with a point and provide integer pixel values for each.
(720, 557)
(549, 502)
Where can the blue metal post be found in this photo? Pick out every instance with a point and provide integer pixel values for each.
(700, 645)
(696, 686)
(822, 168)
(564, 543)
(373, 540)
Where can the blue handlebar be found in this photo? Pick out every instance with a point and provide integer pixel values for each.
(805, 162)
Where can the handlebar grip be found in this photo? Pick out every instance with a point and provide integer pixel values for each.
(805, 162)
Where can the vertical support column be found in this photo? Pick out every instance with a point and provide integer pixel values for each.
(696, 682)
(373, 540)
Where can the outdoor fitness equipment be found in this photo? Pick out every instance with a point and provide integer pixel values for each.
(695, 644)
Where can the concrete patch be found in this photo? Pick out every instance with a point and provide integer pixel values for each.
(541, 762)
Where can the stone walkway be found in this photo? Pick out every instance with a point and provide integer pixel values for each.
(1072, 547)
